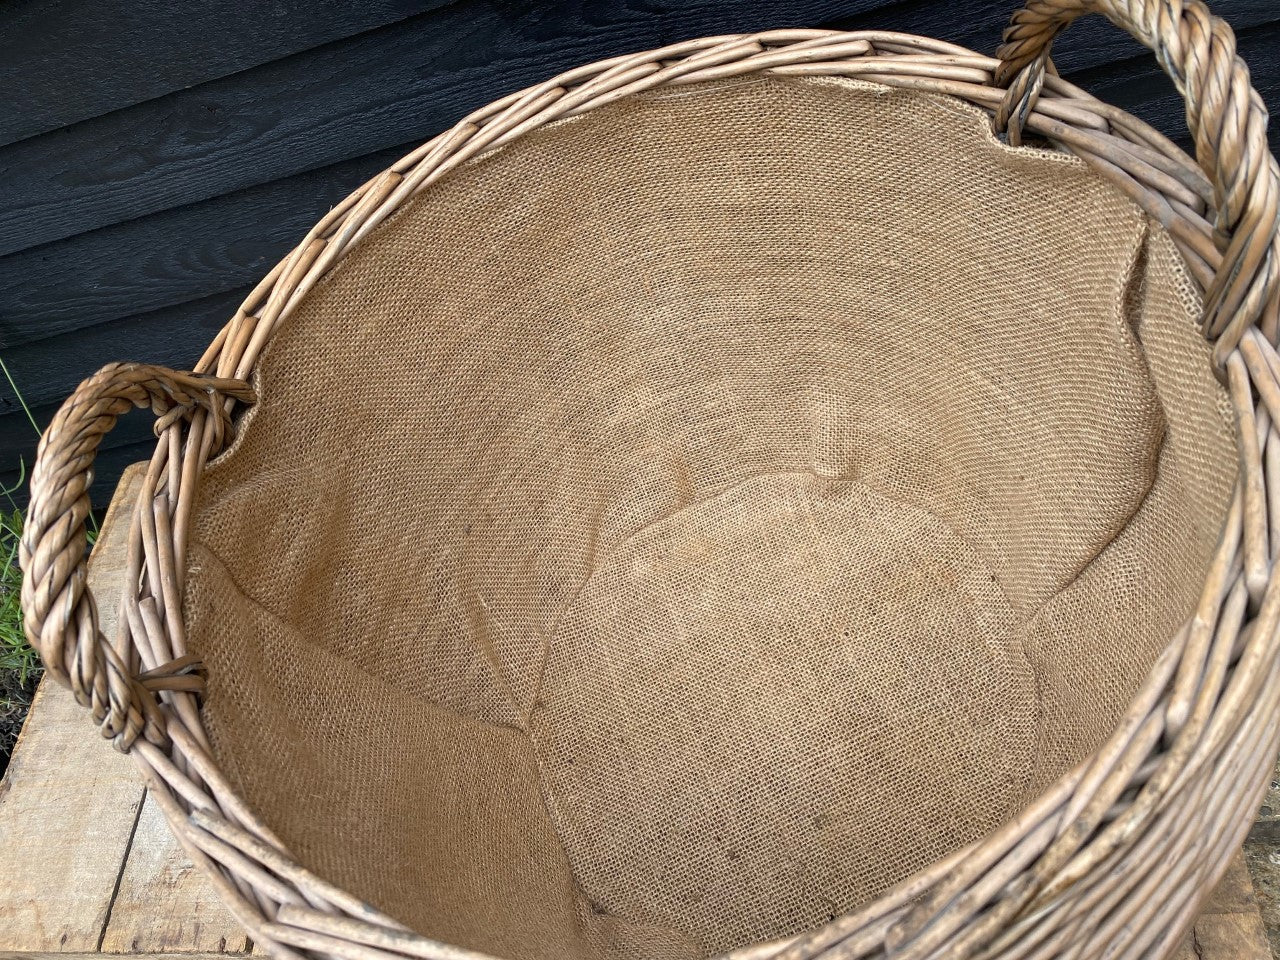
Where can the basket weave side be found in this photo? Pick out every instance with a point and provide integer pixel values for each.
(1133, 836)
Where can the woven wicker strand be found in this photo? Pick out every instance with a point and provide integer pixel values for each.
(1113, 859)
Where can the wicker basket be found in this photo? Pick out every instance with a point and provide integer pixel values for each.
(723, 500)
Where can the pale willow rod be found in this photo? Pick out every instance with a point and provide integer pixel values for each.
(1135, 835)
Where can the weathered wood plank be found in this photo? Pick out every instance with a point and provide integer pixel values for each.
(1231, 936)
(66, 815)
(164, 904)
(96, 56)
(1230, 926)
(68, 803)
(1234, 893)
(98, 869)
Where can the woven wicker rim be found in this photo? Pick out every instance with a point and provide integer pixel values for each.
(1114, 858)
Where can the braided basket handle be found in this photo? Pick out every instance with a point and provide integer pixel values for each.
(60, 618)
(1227, 120)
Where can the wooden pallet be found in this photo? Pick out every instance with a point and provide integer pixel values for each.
(87, 863)
(88, 867)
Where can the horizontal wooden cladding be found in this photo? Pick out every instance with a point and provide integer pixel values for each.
(405, 81)
(168, 258)
(90, 57)
(229, 242)
(1090, 42)
(107, 468)
(368, 92)
(49, 369)
(136, 234)
(16, 432)
(1149, 95)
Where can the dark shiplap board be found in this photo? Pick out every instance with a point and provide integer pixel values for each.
(157, 158)
(175, 255)
(94, 56)
(403, 82)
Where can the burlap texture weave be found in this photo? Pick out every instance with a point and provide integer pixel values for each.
(673, 528)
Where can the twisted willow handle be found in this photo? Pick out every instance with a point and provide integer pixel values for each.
(1228, 123)
(60, 618)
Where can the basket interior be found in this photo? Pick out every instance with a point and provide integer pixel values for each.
(673, 528)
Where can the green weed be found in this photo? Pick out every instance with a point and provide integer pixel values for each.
(19, 665)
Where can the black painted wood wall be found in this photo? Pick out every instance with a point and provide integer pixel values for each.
(158, 157)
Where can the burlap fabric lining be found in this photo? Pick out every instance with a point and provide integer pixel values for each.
(671, 529)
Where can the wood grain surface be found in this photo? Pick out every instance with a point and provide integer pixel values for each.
(97, 56)
(69, 802)
(89, 863)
